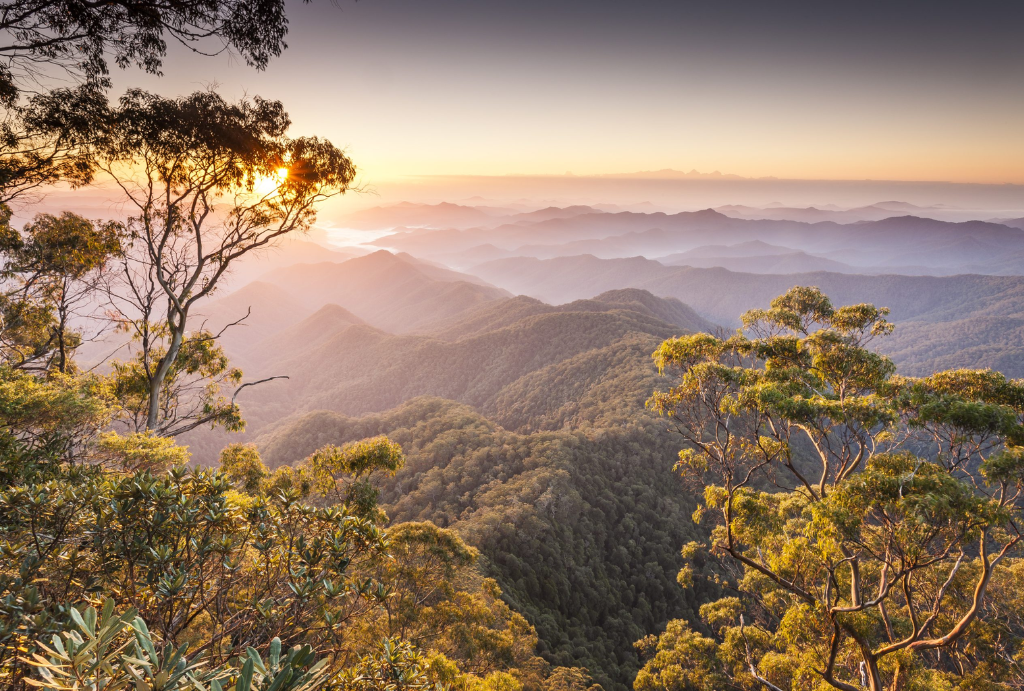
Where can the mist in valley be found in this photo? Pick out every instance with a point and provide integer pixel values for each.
(517, 347)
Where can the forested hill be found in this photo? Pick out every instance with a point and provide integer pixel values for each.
(490, 316)
(943, 321)
(525, 364)
(534, 445)
(581, 528)
(524, 422)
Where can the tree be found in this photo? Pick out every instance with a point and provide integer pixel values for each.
(342, 475)
(49, 139)
(46, 423)
(78, 37)
(210, 182)
(192, 392)
(243, 466)
(53, 271)
(865, 516)
(439, 602)
(51, 135)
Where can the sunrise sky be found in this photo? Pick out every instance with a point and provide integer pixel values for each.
(837, 90)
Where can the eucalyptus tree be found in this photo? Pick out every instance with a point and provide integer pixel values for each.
(207, 183)
(863, 519)
(51, 272)
(54, 62)
(80, 37)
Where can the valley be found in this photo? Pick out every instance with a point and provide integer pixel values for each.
(517, 386)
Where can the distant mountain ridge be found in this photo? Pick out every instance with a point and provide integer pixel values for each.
(336, 361)
(940, 311)
(393, 292)
(503, 313)
(928, 245)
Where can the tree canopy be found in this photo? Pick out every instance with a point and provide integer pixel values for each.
(49, 128)
(865, 522)
(209, 182)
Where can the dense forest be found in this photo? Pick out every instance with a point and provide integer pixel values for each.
(234, 458)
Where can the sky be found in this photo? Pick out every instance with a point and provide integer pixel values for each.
(809, 90)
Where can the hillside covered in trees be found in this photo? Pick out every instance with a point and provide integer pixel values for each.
(526, 432)
(509, 446)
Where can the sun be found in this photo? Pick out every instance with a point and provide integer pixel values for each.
(266, 184)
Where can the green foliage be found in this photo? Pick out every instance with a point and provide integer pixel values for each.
(195, 564)
(139, 451)
(569, 679)
(242, 465)
(94, 653)
(50, 273)
(66, 245)
(204, 567)
(581, 529)
(191, 392)
(339, 474)
(110, 651)
(45, 422)
(684, 661)
(863, 518)
(439, 599)
(393, 666)
(90, 514)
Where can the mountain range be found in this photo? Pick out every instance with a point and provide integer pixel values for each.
(898, 244)
(517, 387)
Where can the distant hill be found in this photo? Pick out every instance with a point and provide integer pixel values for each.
(756, 257)
(935, 246)
(504, 313)
(361, 369)
(288, 251)
(1012, 222)
(751, 248)
(269, 310)
(334, 362)
(473, 256)
(550, 212)
(321, 326)
(829, 212)
(970, 314)
(394, 293)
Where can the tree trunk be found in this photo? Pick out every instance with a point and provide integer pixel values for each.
(164, 366)
(872, 678)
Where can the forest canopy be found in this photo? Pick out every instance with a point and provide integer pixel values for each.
(461, 489)
(123, 564)
(867, 525)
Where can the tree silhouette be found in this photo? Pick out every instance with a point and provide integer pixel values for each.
(209, 182)
(48, 126)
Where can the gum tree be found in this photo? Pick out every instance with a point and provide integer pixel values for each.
(861, 518)
(208, 182)
(50, 274)
(54, 65)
